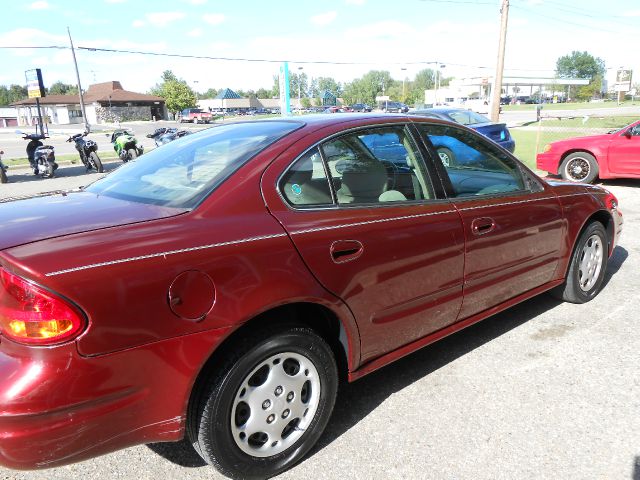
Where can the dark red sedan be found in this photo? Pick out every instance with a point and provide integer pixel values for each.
(583, 159)
(220, 286)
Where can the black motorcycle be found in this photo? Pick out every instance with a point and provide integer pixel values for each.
(42, 158)
(165, 135)
(3, 170)
(88, 150)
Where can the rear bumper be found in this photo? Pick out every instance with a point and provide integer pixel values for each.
(547, 162)
(509, 145)
(57, 407)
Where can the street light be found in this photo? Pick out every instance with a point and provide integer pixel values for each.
(299, 76)
(404, 97)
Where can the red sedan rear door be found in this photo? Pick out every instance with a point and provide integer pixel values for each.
(364, 214)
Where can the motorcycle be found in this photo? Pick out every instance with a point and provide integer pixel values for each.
(165, 135)
(42, 158)
(88, 150)
(126, 145)
(3, 170)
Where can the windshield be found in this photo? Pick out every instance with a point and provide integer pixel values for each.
(467, 117)
(181, 173)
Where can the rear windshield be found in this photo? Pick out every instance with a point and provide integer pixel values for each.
(182, 173)
(467, 117)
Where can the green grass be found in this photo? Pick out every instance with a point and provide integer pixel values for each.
(567, 106)
(586, 123)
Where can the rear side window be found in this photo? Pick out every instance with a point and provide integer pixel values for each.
(376, 165)
(473, 165)
(305, 184)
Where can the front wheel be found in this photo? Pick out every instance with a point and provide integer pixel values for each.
(587, 267)
(3, 175)
(267, 405)
(95, 162)
(579, 167)
(446, 156)
(132, 154)
(50, 170)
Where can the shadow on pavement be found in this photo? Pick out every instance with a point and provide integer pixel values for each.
(22, 174)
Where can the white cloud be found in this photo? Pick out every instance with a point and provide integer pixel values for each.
(162, 19)
(632, 13)
(533, 3)
(138, 23)
(214, 18)
(324, 18)
(355, 2)
(196, 32)
(115, 1)
(197, 2)
(39, 5)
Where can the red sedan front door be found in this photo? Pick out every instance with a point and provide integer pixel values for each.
(361, 210)
(624, 152)
(513, 226)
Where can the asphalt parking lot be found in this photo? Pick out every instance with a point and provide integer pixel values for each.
(543, 390)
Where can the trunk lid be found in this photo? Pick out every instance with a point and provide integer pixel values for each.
(39, 218)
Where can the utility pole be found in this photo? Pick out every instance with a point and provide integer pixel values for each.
(497, 81)
(87, 127)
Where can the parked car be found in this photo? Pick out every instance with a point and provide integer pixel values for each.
(195, 115)
(394, 107)
(334, 110)
(498, 132)
(231, 277)
(360, 107)
(583, 159)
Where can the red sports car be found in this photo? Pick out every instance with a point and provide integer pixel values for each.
(219, 286)
(583, 159)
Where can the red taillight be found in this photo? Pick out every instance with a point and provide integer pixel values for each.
(30, 314)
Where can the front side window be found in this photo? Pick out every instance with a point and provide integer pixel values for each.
(473, 165)
(181, 173)
(376, 165)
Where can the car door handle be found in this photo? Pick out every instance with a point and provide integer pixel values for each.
(482, 226)
(345, 250)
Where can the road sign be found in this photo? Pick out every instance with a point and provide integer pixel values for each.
(35, 87)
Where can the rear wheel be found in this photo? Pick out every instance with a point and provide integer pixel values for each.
(3, 175)
(587, 267)
(50, 170)
(95, 161)
(132, 154)
(267, 405)
(579, 167)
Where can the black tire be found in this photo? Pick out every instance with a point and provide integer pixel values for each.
(446, 156)
(593, 238)
(218, 407)
(3, 175)
(50, 170)
(132, 154)
(579, 167)
(95, 161)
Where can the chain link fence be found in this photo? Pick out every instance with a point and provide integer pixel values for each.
(532, 137)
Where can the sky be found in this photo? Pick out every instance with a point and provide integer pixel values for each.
(342, 39)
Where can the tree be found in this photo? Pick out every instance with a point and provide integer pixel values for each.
(263, 93)
(211, 93)
(371, 85)
(324, 84)
(60, 88)
(177, 94)
(11, 94)
(579, 65)
(582, 65)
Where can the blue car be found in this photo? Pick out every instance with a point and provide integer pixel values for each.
(498, 132)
